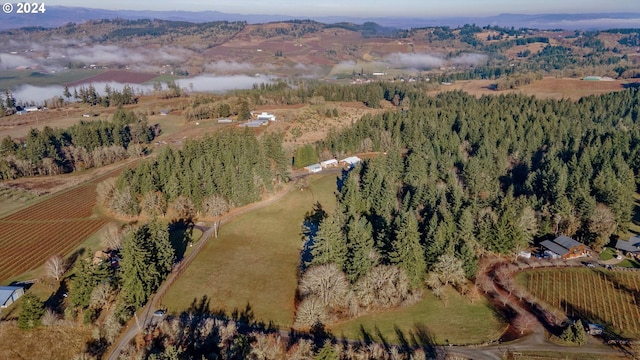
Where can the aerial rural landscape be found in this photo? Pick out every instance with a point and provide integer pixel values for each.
(336, 182)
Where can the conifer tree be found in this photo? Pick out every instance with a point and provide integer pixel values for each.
(329, 245)
(31, 311)
(360, 246)
(407, 252)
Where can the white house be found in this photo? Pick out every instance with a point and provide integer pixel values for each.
(315, 168)
(329, 163)
(266, 117)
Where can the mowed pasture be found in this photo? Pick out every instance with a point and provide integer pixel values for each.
(254, 261)
(597, 295)
(455, 320)
(55, 225)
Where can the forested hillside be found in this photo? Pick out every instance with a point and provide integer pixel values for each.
(209, 176)
(462, 176)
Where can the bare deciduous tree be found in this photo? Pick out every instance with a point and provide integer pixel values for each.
(56, 266)
(310, 312)
(50, 318)
(382, 287)
(602, 223)
(112, 237)
(184, 207)
(450, 270)
(216, 205)
(154, 203)
(327, 282)
(101, 295)
(302, 350)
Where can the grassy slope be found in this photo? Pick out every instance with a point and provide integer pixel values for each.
(255, 259)
(456, 321)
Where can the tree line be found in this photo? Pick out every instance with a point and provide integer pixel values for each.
(207, 176)
(81, 146)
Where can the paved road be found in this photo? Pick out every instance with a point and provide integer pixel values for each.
(145, 315)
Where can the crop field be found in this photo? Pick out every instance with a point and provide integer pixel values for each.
(121, 76)
(55, 225)
(606, 297)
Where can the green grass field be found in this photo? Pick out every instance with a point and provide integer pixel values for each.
(456, 321)
(12, 200)
(10, 79)
(255, 259)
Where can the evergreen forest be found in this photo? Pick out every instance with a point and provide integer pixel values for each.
(460, 176)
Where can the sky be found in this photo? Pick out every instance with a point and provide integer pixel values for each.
(366, 8)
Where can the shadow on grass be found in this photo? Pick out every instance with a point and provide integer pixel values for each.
(56, 300)
(310, 226)
(180, 236)
(418, 337)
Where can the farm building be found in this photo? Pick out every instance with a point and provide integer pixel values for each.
(31, 109)
(329, 163)
(350, 161)
(565, 247)
(629, 246)
(253, 123)
(315, 168)
(225, 121)
(9, 294)
(266, 117)
(164, 112)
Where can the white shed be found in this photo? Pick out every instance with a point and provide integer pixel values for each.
(329, 163)
(351, 160)
(315, 168)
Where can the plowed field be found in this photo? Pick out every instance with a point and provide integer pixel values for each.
(55, 225)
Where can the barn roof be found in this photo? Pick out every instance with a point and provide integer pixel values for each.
(566, 242)
(6, 292)
(554, 247)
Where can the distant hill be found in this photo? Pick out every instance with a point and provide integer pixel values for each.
(59, 15)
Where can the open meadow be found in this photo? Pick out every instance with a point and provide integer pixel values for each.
(255, 259)
(455, 320)
(596, 295)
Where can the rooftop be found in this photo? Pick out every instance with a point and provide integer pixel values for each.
(631, 245)
(554, 247)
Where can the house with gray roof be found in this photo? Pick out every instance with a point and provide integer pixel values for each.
(629, 246)
(565, 247)
(9, 294)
